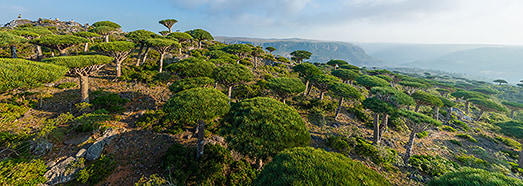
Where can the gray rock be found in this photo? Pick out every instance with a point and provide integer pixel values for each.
(77, 141)
(95, 150)
(109, 134)
(81, 153)
(62, 172)
(40, 147)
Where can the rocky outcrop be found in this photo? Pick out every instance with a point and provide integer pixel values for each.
(95, 150)
(63, 171)
(40, 147)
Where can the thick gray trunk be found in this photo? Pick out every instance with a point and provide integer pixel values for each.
(512, 114)
(106, 38)
(259, 163)
(13, 52)
(410, 144)
(306, 88)
(376, 129)
(309, 90)
(321, 95)
(229, 92)
(139, 55)
(161, 62)
(467, 108)
(144, 57)
(383, 126)
(201, 137)
(436, 113)
(338, 109)
(63, 52)
(38, 52)
(86, 47)
(283, 100)
(118, 68)
(84, 88)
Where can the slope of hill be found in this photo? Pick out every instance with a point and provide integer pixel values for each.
(322, 51)
(490, 61)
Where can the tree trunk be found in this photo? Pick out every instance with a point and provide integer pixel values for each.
(118, 68)
(283, 100)
(305, 93)
(417, 107)
(321, 95)
(84, 88)
(161, 62)
(383, 126)
(449, 114)
(13, 52)
(38, 52)
(139, 55)
(144, 57)
(201, 136)
(521, 159)
(63, 52)
(229, 93)
(199, 44)
(338, 109)
(436, 113)
(259, 163)
(512, 114)
(86, 47)
(106, 38)
(410, 144)
(480, 114)
(52, 52)
(467, 108)
(376, 129)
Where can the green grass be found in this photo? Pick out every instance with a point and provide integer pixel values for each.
(469, 176)
(509, 142)
(22, 172)
(467, 137)
(448, 128)
(511, 128)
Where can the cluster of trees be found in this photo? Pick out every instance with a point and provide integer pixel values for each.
(260, 127)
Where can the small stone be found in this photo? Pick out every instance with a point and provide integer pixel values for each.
(81, 153)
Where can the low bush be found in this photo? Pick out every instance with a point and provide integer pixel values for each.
(467, 137)
(22, 172)
(152, 180)
(470, 177)
(422, 134)
(215, 167)
(470, 160)
(155, 120)
(460, 124)
(67, 85)
(96, 171)
(432, 165)
(309, 166)
(339, 144)
(108, 101)
(511, 128)
(448, 128)
(456, 142)
(377, 155)
(10, 112)
(91, 121)
(509, 142)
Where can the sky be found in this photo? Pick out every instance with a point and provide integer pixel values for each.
(388, 21)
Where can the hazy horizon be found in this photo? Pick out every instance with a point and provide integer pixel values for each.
(370, 21)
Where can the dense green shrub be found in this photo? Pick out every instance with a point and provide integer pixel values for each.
(108, 101)
(22, 172)
(422, 134)
(153, 180)
(432, 165)
(470, 177)
(215, 167)
(448, 128)
(456, 142)
(339, 143)
(188, 83)
(91, 121)
(309, 166)
(511, 128)
(467, 137)
(156, 121)
(509, 142)
(377, 155)
(459, 123)
(261, 127)
(97, 171)
(34, 73)
(10, 112)
(471, 160)
(67, 85)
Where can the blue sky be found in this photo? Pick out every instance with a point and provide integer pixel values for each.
(404, 21)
